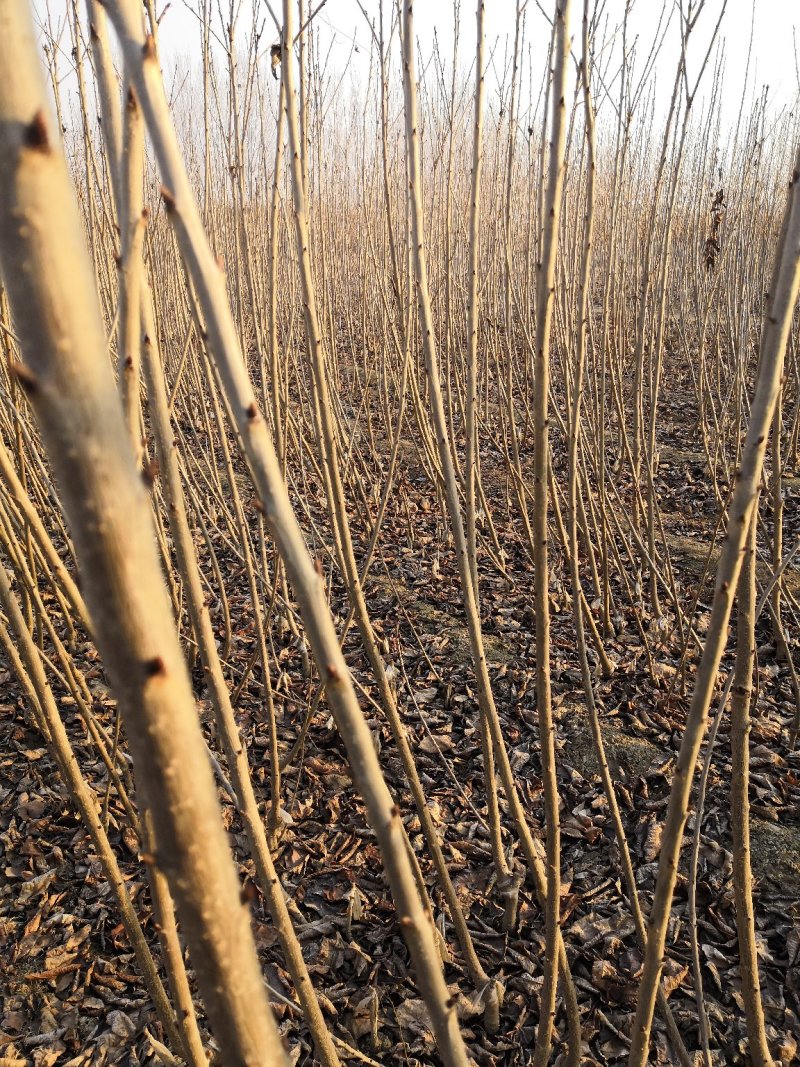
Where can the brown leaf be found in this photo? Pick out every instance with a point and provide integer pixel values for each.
(652, 843)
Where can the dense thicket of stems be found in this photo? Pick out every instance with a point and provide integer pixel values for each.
(380, 414)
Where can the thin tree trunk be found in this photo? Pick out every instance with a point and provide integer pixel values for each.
(541, 458)
(68, 380)
(740, 804)
(782, 299)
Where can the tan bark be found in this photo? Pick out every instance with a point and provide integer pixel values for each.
(70, 385)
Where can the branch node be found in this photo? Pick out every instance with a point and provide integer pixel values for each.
(28, 381)
(36, 135)
(154, 667)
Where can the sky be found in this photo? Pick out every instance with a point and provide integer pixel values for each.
(344, 39)
(341, 25)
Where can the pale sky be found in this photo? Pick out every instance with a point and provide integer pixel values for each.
(775, 26)
(344, 39)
